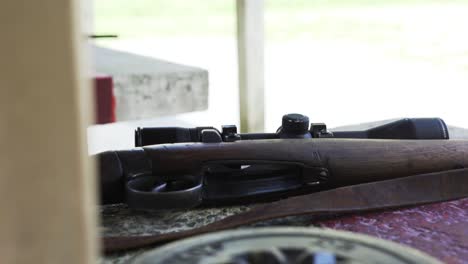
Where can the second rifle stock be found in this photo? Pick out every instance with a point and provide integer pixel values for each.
(278, 166)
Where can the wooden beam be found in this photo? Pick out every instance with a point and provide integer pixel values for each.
(250, 35)
(47, 192)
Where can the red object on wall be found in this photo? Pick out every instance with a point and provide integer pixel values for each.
(104, 100)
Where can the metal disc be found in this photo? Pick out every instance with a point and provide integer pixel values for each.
(283, 245)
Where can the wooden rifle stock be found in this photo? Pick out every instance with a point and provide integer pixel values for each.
(333, 162)
(349, 161)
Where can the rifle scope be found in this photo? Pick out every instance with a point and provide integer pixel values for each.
(294, 126)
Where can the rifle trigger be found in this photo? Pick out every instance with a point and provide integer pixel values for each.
(314, 176)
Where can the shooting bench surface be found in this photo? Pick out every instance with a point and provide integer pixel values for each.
(436, 229)
(439, 230)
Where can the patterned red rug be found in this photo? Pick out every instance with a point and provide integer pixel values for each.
(440, 230)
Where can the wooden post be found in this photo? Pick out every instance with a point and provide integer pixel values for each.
(47, 192)
(251, 59)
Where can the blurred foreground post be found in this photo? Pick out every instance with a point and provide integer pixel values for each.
(250, 34)
(47, 195)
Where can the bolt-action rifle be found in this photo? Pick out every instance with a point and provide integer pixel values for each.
(186, 167)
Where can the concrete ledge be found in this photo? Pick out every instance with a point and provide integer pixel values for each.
(146, 87)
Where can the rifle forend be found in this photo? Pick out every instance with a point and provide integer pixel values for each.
(185, 175)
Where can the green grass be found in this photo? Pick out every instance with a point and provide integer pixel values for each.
(430, 30)
(284, 18)
(155, 18)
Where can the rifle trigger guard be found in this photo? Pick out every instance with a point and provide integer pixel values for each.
(150, 192)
